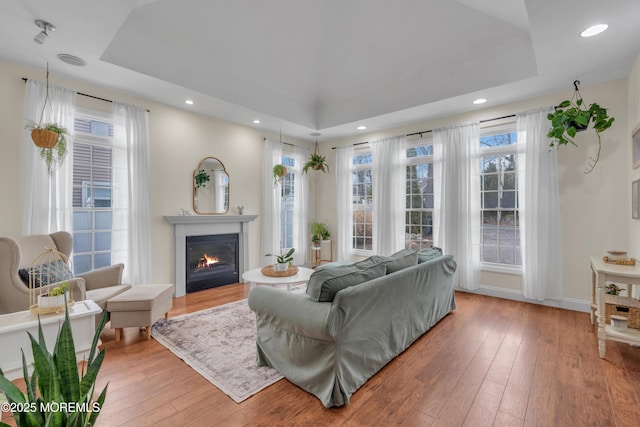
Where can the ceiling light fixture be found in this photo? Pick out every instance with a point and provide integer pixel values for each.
(480, 101)
(361, 127)
(189, 102)
(256, 121)
(71, 59)
(594, 30)
(45, 26)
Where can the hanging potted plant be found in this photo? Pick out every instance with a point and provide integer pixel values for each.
(279, 172)
(572, 116)
(50, 138)
(316, 161)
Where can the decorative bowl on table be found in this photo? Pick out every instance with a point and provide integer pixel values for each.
(616, 255)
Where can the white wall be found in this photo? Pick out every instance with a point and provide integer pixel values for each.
(179, 141)
(594, 207)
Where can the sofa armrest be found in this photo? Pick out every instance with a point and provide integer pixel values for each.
(103, 277)
(296, 313)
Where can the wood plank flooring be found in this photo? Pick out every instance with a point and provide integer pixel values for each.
(492, 362)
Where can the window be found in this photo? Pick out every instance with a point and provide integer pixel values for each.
(92, 173)
(287, 204)
(362, 202)
(500, 227)
(419, 193)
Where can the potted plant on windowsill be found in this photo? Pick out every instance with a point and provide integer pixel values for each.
(283, 261)
(572, 116)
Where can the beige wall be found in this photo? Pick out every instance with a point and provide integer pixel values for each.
(634, 120)
(179, 140)
(594, 207)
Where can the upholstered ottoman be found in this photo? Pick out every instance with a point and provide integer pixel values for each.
(139, 306)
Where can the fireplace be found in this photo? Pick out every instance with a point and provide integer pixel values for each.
(211, 261)
(202, 225)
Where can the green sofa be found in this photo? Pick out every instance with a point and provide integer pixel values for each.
(331, 348)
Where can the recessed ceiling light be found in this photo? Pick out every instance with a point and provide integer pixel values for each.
(361, 127)
(189, 102)
(256, 121)
(480, 101)
(594, 30)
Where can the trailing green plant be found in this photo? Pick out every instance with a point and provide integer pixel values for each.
(57, 395)
(572, 116)
(317, 162)
(54, 156)
(284, 258)
(279, 172)
(202, 178)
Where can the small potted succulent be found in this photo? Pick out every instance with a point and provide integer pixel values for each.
(283, 261)
(54, 299)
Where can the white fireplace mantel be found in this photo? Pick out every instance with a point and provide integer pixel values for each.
(200, 225)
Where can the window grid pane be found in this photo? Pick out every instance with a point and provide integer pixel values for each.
(287, 204)
(500, 228)
(362, 205)
(92, 178)
(419, 200)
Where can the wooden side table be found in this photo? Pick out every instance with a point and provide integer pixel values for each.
(315, 253)
(601, 274)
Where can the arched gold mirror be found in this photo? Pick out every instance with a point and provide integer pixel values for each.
(210, 187)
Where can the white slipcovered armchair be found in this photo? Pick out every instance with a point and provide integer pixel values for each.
(98, 285)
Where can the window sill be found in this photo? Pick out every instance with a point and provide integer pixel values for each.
(501, 268)
(361, 252)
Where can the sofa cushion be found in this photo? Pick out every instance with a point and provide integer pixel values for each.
(372, 261)
(326, 283)
(45, 274)
(401, 260)
(428, 254)
(101, 295)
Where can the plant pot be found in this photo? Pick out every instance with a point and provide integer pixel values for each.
(44, 138)
(46, 302)
(318, 167)
(280, 266)
(282, 172)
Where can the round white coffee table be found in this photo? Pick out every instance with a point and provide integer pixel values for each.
(255, 277)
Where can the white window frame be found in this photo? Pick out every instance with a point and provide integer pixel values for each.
(367, 206)
(415, 161)
(103, 142)
(288, 182)
(495, 151)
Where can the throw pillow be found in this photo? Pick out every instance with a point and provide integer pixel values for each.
(428, 254)
(325, 284)
(372, 261)
(45, 274)
(401, 259)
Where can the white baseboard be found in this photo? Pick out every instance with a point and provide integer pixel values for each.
(566, 303)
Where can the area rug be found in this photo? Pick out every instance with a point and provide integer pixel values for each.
(220, 344)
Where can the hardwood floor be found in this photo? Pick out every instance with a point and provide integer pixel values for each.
(490, 362)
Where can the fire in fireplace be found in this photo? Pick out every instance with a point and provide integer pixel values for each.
(212, 261)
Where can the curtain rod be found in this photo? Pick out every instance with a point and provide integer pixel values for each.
(285, 143)
(24, 79)
(431, 130)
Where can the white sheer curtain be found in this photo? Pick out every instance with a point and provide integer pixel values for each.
(459, 216)
(131, 235)
(344, 202)
(389, 182)
(301, 207)
(539, 208)
(47, 199)
(271, 195)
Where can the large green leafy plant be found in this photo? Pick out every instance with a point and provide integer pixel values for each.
(57, 395)
(572, 116)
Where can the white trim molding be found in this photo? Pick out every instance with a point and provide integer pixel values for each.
(516, 295)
